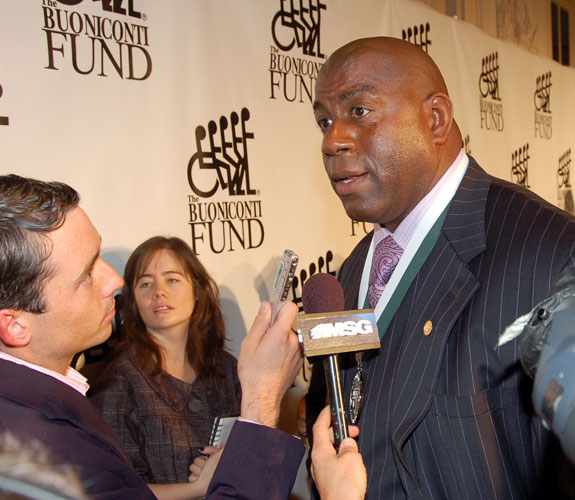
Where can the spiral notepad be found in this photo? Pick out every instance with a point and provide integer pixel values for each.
(221, 430)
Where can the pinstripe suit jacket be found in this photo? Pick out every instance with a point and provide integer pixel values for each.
(448, 416)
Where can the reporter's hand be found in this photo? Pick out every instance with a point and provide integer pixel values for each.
(336, 475)
(202, 469)
(268, 364)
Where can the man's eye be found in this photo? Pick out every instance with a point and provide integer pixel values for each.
(324, 122)
(359, 112)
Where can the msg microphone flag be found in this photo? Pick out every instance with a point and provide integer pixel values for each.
(340, 331)
(326, 328)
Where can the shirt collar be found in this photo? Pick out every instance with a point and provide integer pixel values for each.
(408, 225)
(72, 378)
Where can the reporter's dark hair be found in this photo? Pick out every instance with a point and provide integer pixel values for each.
(206, 334)
(29, 210)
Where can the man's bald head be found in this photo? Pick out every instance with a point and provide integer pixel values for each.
(388, 128)
(404, 64)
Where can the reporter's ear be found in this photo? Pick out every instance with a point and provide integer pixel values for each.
(14, 331)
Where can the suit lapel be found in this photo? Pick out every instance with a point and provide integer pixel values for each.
(439, 294)
(445, 286)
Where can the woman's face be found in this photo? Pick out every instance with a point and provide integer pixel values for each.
(164, 295)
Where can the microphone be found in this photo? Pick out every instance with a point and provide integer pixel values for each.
(328, 330)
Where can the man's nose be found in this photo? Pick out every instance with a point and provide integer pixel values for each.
(113, 281)
(338, 138)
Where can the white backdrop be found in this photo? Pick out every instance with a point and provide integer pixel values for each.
(119, 98)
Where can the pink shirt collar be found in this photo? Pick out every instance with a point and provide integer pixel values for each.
(406, 228)
(72, 378)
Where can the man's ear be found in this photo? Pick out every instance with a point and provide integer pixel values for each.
(441, 113)
(14, 331)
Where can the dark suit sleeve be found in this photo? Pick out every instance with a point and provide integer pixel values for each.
(34, 406)
(257, 462)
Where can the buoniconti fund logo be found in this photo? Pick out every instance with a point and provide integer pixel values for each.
(490, 106)
(565, 194)
(223, 211)
(418, 35)
(107, 38)
(542, 100)
(296, 55)
(520, 166)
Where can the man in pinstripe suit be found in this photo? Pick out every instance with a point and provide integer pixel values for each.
(445, 414)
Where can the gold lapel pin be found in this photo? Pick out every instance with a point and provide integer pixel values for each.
(427, 328)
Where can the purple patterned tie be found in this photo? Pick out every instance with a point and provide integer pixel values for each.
(385, 257)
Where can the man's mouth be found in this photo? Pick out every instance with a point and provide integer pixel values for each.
(345, 186)
(110, 315)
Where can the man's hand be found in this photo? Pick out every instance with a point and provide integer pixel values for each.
(337, 476)
(268, 364)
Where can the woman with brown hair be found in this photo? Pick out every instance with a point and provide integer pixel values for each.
(161, 392)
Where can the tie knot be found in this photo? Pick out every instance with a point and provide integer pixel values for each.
(385, 257)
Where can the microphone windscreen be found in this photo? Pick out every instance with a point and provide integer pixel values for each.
(322, 293)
